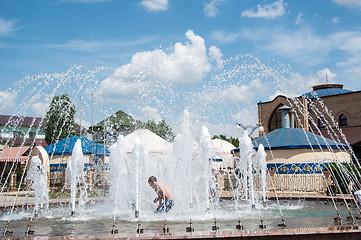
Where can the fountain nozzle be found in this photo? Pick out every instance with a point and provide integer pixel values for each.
(262, 225)
(239, 226)
(136, 213)
(165, 228)
(7, 231)
(190, 228)
(28, 230)
(139, 230)
(72, 213)
(283, 224)
(114, 230)
(215, 227)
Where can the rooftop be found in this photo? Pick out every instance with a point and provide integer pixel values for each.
(328, 89)
(294, 138)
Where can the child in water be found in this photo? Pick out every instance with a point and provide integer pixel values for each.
(163, 193)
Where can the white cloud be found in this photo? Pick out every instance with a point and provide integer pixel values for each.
(232, 93)
(7, 27)
(224, 37)
(155, 5)
(216, 55)
(39, 108)
(303, 45)
(148, 113)
(325, 73)
(298, 84)
(82, 45)
(83, 123)
(211, 9)
(299, 19)
(348, 3)
(7, 100)
(247, 117)
(186, 65)
(269, 11)
(335, 20)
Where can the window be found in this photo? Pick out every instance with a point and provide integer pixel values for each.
(321, 122)
(342, 120)
(17, 134)
(32, 134)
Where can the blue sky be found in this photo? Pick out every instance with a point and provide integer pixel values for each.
(155, 58)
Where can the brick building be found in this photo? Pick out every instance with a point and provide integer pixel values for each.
(328, 110)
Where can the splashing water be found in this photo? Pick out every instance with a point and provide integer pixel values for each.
(38, 182)
(75, 176)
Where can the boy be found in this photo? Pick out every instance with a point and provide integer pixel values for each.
(163, 193)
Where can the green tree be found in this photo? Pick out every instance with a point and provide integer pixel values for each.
(232, 140)
(162, 129)
(60, 115)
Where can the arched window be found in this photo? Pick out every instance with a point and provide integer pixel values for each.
(342, 120)
(275, 121)
(321, 122)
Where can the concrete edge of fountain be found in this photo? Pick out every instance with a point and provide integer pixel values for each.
(350, 232)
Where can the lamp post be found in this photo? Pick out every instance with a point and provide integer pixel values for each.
(253, 128)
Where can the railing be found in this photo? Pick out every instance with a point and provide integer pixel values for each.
(312, 183)
(297, 183)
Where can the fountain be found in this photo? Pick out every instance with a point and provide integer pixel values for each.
(75, 177)
(38, 182)
(249, 204)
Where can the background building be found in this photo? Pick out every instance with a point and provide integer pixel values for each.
(328, 109)
(25, 131)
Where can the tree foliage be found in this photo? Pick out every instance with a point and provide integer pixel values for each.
(121, 122)
(162, 129)
(61, 123)
(344, 176)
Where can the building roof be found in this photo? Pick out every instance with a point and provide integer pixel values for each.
(66, 146)
(14, 154)
(294, 138)
(325, 90)
(222, 150)
(151, 141)
(35, 122)
(22, 121)
(222, 146)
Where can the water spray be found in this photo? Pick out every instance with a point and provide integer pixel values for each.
(136, 213)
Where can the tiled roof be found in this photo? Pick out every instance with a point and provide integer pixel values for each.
(14, 154)
(22, 121)
(29, 121)
(294, 138)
